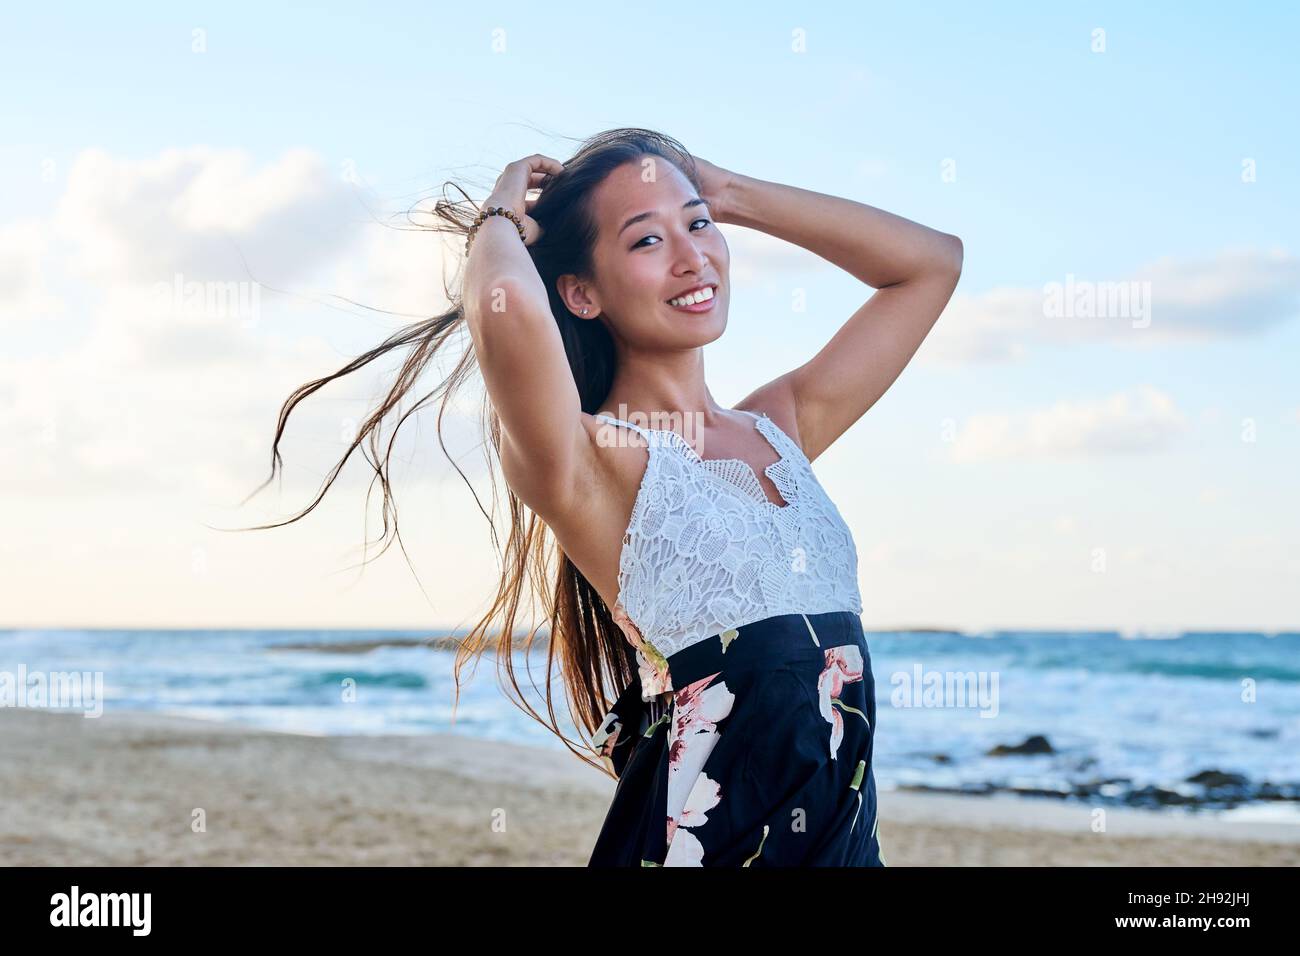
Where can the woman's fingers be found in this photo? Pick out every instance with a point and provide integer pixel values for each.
(547, 163)
(539, 163)
(527, 173)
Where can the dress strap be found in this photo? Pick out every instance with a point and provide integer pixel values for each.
(786, 445)
(644, 433)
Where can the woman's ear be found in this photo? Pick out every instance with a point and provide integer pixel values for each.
(576, 297)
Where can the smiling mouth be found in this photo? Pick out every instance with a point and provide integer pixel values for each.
(694, 300)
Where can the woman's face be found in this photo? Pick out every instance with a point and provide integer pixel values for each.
(641, 265)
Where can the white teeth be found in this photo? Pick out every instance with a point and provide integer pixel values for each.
(704, 295)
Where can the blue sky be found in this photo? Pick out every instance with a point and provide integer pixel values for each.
(1124, 164)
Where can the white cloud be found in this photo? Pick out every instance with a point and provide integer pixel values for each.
(204, 213)
(153, 395)
(24, 272)
(1141, 420)
(1238, 292)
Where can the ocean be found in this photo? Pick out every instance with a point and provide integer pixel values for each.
(1196, 722)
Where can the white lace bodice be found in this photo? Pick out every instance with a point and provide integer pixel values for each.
(705, 550)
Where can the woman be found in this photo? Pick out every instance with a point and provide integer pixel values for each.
(704, 576)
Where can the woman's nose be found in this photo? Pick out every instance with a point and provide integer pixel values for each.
(694, 257)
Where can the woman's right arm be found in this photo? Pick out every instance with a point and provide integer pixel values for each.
(546, 452)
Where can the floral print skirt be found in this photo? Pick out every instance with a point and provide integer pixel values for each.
(758, 755)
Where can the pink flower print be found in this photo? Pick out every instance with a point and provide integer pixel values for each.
(652, 667)
(697, 709)
(843, 666)
(684, 848)
(653, 671)
(606, 737)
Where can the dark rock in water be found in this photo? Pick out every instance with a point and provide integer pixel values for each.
(1212, 779)
(941, 758)
(1036, 744)
(1039, 792)
(1263, 733)
(1097, 788)
(1276, 791)
(970, 789)
(1158, 796)
(1119, 791)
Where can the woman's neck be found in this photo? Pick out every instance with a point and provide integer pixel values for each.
(661, 385)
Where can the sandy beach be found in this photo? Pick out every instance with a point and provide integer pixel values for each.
(143, 789)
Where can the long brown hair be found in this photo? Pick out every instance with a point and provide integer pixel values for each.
(594, 654)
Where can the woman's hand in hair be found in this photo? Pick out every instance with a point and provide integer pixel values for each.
(715, 187)
(512, 187)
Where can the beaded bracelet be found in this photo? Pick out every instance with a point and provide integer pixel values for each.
(494, 211)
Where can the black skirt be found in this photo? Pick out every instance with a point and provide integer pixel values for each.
(760, 755)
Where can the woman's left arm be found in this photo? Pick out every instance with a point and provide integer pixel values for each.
(913, 268)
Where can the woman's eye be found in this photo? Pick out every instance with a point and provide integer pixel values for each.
(707, 222)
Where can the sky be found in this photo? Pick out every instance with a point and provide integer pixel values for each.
(1039, 464)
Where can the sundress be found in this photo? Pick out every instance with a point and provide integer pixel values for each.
(746, 735)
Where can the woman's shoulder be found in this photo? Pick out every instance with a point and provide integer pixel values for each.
(777, 403)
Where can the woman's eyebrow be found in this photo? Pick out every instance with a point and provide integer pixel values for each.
(697, 201)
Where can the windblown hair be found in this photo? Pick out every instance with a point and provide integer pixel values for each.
(594, 654)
